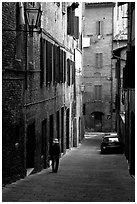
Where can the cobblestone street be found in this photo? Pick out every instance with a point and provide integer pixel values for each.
(84, 175)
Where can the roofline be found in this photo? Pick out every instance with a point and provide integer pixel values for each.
(120, 48)
(122, 3)
(100, 4)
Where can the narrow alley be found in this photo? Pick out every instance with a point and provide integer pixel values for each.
(85, 175)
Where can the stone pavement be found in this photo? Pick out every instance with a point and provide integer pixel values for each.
(84, 176)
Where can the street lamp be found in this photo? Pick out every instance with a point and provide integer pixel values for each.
(33, 16)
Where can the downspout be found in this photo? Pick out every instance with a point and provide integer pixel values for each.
(111, 71)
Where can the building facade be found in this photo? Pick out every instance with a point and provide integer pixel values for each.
(125, 65)
(98, 72)
(119, 60)
(39, 85)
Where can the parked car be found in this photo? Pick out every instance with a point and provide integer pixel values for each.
(111, 143)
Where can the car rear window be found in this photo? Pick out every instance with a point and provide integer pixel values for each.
(111, 139)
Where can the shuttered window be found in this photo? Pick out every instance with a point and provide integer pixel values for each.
(50, 64)
(58, 64)
(73, 72)
(72, 23)
(98, 92)
(61, 66)
(47, 61)
(42, 61)
(64, 67)
(54, 64)
(98, 60)
(76, 27)
(68, 72)
(99, 27)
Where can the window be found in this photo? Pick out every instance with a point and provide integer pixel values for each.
(64, 67)
(98, 92)
(98, 60)
(72, 23)
(76, 27)
(64, 8)
(73, 72)
(99, 27)
(42, 59)
(61, 66)
(52, 63)
(68, 72)
(48, 62)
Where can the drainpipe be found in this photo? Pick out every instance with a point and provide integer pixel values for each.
(111, 107)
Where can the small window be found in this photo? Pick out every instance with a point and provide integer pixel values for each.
(98, 60)
(99, 27)
(98, 92)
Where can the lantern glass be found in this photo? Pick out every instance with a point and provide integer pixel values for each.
(33, 15)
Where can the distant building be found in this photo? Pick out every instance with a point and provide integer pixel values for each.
(98, 72)
(40, 97)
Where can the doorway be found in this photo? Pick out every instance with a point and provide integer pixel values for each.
(30, 146)
(97, 121)
(67, 129)
(44, 144)
(51, 132)
(62, 129)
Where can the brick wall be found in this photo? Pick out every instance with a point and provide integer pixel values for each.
(12, 99)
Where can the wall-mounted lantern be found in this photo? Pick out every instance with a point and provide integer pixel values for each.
(33, 16)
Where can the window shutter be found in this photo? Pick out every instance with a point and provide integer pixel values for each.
(96, 60)
(64, 71)
(69, 20)
(76, 27)
(97, 28)
(68, 72)
(101, 27)
(72, 21)
(54, 65)
(58, 61)
(99, 92)
(50, 63)
(61, 65)
(47, 61)
(73, 72)
(41, 61)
